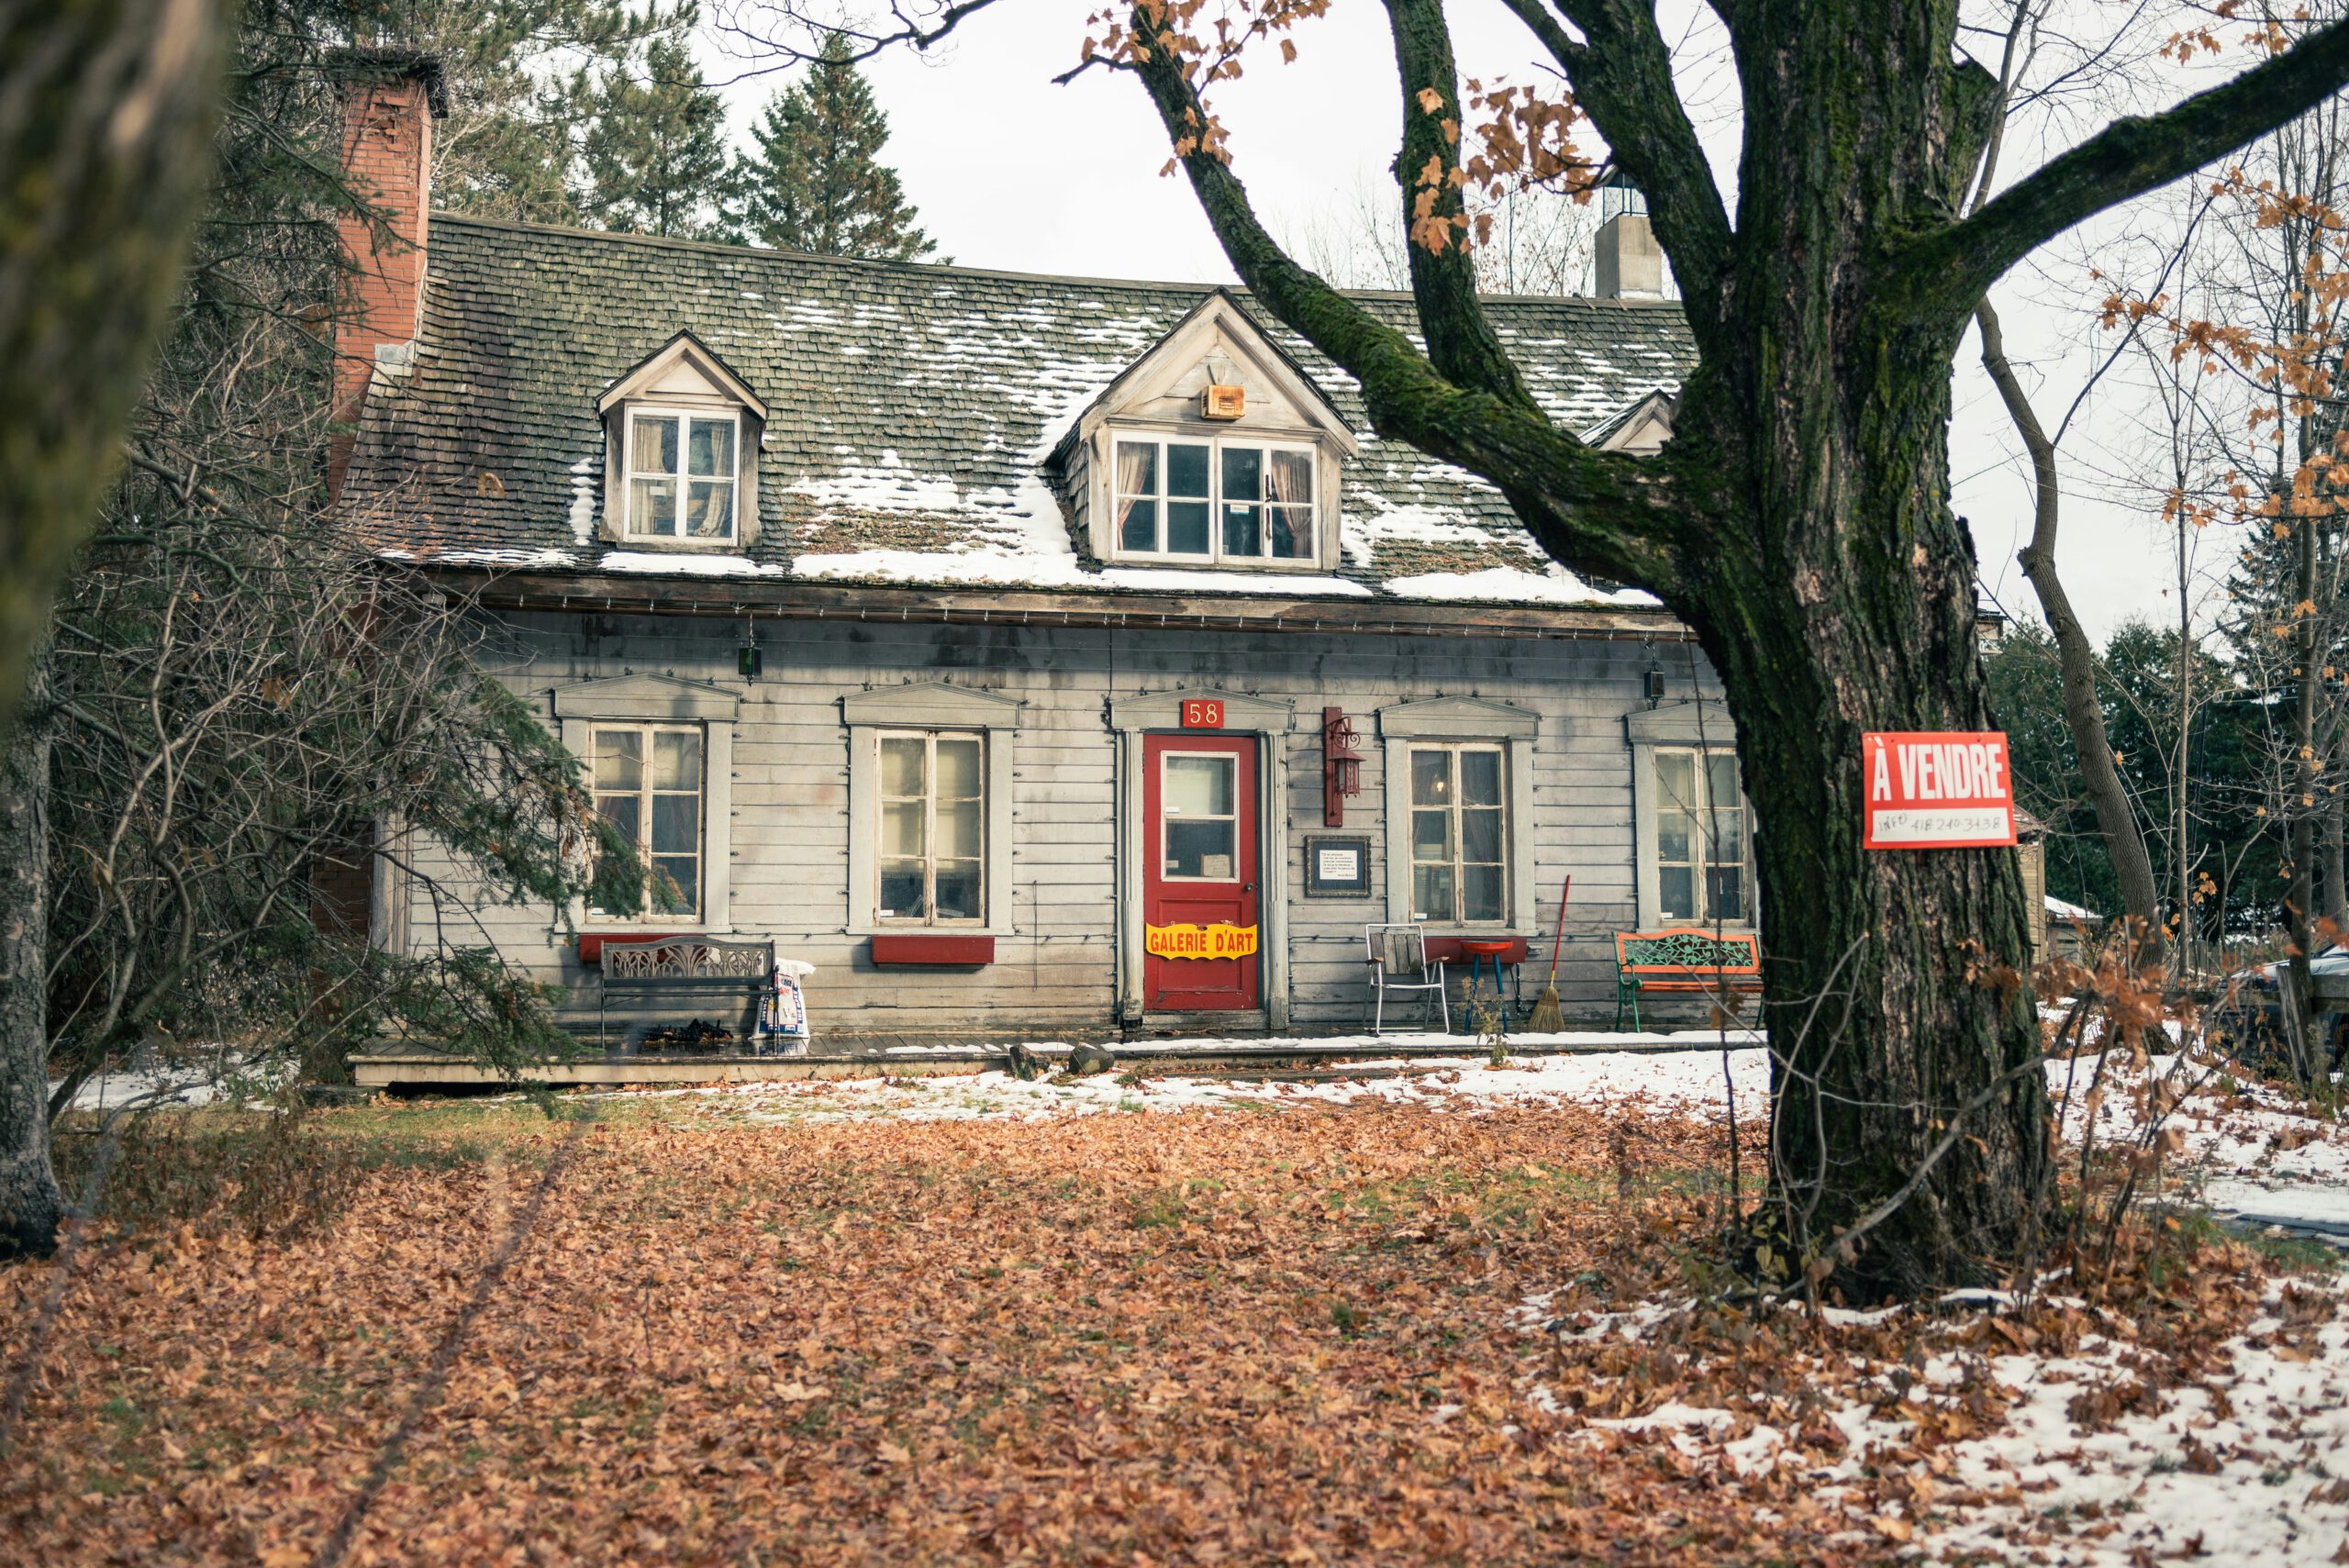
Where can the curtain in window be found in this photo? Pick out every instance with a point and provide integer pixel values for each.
(1289, 485)
(1137, 481)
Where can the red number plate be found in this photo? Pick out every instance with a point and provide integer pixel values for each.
(1202, 713)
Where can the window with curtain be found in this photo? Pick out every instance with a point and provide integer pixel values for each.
(1701, 870)
(932, 818)
(1459, 835)
(648, 783)
(1220, 500)
(682, 475)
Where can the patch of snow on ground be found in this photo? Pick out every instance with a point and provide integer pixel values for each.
(1688, 1082)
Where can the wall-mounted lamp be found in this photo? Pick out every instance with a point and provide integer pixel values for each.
(1655, 685)
(749, 659)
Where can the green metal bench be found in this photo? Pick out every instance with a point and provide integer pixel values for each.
(1684, 962)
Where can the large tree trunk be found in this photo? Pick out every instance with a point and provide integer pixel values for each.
(2116, 820)
(1894, 1006)
(30, 1206)
(106, 113)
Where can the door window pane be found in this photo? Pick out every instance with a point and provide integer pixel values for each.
(1201, 848)
(1199, 786)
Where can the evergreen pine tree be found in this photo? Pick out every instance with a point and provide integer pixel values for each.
(815, 182)
(656, 147)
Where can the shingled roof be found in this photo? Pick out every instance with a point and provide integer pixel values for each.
(913, 409)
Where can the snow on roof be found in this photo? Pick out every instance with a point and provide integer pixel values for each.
(2064, 911)
(913, 413)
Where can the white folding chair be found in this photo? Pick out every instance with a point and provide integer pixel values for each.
(1398, 962)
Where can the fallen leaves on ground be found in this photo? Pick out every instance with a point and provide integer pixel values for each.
(1228, 1337)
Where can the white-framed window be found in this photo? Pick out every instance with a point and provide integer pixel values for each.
(1224, 499)
(1703, 851)
(930, 860)
(1459, 794)
(682, 475)
(648, 783)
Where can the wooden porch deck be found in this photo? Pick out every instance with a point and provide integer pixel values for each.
(865, 1055)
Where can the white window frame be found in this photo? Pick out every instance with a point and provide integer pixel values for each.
(685, 417)
(648, 914)
(930, 705)
(1454, 751)
(929, 919)
(1230, 760)
(1215, 555)
(1476, 720)
(1705, 818)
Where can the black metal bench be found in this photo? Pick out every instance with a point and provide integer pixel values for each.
(688, 971)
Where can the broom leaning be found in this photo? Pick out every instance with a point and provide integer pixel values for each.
(1548, 1018)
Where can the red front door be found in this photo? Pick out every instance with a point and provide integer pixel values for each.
(1199, 894)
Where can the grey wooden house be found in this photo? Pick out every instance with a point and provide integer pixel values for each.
(1084, 612)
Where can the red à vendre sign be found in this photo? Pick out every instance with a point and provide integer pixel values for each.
(1937, 790)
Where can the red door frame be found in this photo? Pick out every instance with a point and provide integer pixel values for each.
(1203, 984)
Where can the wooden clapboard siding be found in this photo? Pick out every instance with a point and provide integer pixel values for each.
(1056, 945)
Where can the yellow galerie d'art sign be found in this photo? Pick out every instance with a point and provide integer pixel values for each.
(1199, 941)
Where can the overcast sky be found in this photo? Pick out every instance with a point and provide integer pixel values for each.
(1011, 172)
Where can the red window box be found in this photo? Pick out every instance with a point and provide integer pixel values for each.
(908, 951)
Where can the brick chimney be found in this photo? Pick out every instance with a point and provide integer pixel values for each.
(390, 98)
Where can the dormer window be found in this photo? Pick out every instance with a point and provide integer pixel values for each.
(681, 444)
(682, 473)
(1215, 500)
(1212, 451)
